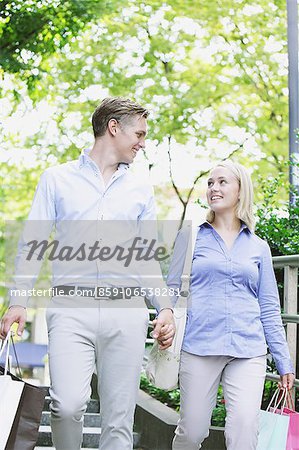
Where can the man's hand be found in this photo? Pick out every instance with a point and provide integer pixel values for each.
(164, 328)
(286, 381)
(15, 314)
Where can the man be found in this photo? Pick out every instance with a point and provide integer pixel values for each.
(89, 330)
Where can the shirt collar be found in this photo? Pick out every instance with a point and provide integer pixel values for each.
(206, 224)
(84, 159)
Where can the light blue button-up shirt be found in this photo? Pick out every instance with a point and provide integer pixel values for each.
(234, 307)
(74, 198)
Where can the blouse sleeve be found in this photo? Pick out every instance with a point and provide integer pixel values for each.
(177, 262)
(271, 316)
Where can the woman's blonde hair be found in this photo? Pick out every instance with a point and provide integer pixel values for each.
(244, 209)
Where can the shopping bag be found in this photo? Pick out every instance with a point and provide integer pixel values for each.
(10, 395)
(293, 433)
(24, 430)
(23, 433)
(273, 428)
(162, 368)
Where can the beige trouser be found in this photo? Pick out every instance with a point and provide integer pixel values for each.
(110, 336)
(242, 380)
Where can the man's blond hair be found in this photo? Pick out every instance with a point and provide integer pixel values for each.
(118, 108)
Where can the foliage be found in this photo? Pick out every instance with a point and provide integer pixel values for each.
(31, 30)
(172, 399)
(277, 219)
(213, 74)
(219, 412)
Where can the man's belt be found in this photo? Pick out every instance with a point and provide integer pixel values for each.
(97, 292)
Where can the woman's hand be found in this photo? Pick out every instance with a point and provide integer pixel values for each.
(286, 381)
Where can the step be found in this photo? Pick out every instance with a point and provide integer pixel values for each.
(91, 430)
(92, 407)
(90, 419)
(91, 436)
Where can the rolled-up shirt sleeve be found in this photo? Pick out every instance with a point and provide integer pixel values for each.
(37, 228)
(151, 274)
(268, 298)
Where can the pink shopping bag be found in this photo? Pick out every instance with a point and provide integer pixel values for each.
(293, 432)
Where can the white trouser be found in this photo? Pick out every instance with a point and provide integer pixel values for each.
(242, 381)
(108, 335)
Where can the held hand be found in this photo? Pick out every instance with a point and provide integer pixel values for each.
(286, 381)
(15, 314)
(164, 328)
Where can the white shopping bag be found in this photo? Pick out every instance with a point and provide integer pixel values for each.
(10, 394)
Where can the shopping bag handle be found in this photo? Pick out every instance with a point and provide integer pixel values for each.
(16, 357)
(277, 401)
(290, 401)
(6, 345)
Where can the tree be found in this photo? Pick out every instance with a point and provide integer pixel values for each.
(213, 73)
(32, 30)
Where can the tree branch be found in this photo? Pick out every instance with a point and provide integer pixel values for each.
(171, 174)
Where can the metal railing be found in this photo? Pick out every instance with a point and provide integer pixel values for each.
(290, 316)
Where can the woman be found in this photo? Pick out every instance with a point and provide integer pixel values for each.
(232, 317)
